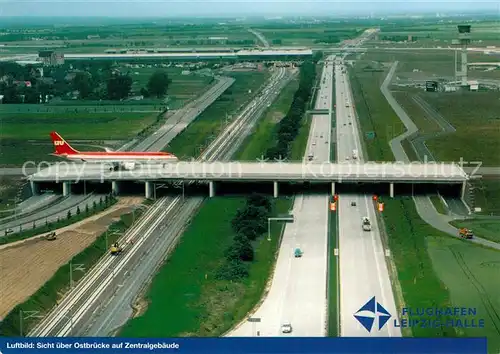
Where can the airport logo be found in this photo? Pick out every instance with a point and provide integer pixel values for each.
(370, 311)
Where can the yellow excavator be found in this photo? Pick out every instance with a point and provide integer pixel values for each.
(466, 233)
(116, 249)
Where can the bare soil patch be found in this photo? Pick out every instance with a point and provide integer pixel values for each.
(26, 265)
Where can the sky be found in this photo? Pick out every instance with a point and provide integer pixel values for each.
(212, 8)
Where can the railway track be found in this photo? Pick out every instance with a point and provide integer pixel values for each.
(74, 314)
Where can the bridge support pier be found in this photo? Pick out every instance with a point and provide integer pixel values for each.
(211, 189)
(275, 189)
(66, 189)
(391, 190)
(333, 188)
(115, 188)
(34, 188)
(149, 189)
(462, 194)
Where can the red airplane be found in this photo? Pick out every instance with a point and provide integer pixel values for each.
(116, 158)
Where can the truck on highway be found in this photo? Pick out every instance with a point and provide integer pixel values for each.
(367, 226)
(354, 154)
(466, 233)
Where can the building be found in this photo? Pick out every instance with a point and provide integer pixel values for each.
(51, 58)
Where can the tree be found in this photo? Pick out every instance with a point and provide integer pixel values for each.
(240, 249)
(100, 201)
(232, 270)
(86, 208)
(69, 214)
(106, 199)
(94, 205)
(119, 86)
(260, 200)
(82, 83)
(158, 84)
(34, 226)
(77, 210)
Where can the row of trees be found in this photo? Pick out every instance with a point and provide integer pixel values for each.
(288, 127)
(248, 224)
(93, 82)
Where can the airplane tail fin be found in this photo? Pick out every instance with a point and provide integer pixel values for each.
(61, 146)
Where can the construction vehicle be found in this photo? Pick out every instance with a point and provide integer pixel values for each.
(465, 233)
(51, 237)
(116, 249)
(367, 226)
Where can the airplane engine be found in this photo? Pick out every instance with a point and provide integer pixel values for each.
(129, 165)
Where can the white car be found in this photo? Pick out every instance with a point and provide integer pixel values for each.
(286, 328)
(347, 157)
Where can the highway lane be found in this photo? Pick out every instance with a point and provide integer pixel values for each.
(51, 214)
(86, 298)
(298, 290)
(363, 271)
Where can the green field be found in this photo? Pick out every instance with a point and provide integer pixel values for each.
(484, 228)
(436, 270)
(433, 33)
(26, 136)
(201, 305)
(308, 34)
(474, 115)
(182, 87)
(263, 135)
(198, 135)
(487, 196)
(333, 284)
(438, 204)
(374, 112)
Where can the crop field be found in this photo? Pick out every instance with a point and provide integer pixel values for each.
(209, 123)
(436, 270)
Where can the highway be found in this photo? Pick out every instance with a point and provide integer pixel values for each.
(109, 288)
(260, 37)
(297, 294)
(50, 214)
(362, 266)
(183, 117)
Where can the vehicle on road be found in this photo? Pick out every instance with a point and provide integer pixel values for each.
(116, 249)
(353, 203)
(51, 236)
(367, 226)
(354, 154)
(466, 233)
(310, 157)
(298, 253)
(117, 159)
(286, 328)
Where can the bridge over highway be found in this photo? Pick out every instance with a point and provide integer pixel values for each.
(254, 172)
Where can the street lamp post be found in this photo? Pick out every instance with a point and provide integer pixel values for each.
(254, 321)
(287, 218)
